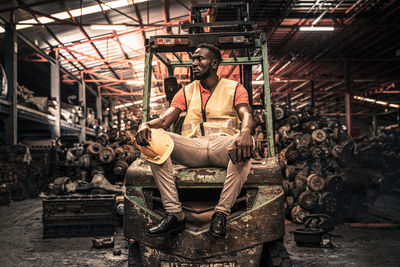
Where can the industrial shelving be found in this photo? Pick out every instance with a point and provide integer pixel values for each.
(43, 118)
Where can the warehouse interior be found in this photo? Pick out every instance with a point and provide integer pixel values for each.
(79, 77)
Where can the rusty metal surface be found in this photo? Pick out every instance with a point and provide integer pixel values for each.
(261, 172)
(263, 223)
(249, 257)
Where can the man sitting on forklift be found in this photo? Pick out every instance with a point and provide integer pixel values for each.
(218, 120)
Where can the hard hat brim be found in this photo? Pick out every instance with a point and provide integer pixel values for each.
(155, 137)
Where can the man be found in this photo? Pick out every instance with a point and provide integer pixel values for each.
(218, 120)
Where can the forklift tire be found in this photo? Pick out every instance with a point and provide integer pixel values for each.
(134, 259)
(275, 255)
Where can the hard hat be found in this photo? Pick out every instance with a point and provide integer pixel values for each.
(159, 148)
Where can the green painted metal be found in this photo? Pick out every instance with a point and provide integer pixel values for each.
(267, 100)
(225, 61)
(265, 195)
(257, 43)
(177, 56)
(147, 86)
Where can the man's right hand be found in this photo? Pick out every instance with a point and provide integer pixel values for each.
(143, 135)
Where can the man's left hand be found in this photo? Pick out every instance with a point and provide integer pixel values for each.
(244, 144)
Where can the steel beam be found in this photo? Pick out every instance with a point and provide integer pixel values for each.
(139, 18)
(37, 3)
(225, 61)
(11, 48)
(117, 38)
(55, 95)
(267, 99)
(82, 101)
(347, 97)
(288, 100)
(147, 84)
(312, 96)
(67, 9)
(166, 13)
(247, 81)
(99, 113)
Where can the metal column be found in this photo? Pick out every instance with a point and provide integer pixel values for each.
(11, 49)
(347, 97)
(147, 86)
(82, 101)
(312, 97)
(99, 113)
(247, 71)
(267, 99)
(374, 124)
(55, 95)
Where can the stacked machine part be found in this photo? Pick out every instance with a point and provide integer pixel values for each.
(308, 147)
(92, 201)
(24, 172)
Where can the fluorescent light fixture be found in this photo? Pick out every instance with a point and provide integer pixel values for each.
(383, 103)
(394, 105)
(317, 28)
(135, 82)
(123, 105)
(78, 12)
(374, 101)
(108, 27)
(257, 82)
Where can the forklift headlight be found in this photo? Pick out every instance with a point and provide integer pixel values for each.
(172, 41)
(231, 39)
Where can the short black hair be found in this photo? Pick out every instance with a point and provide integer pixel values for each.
(215, 53)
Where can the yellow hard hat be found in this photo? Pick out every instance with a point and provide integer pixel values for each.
(159, 148)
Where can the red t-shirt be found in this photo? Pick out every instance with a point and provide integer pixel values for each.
(179, 99)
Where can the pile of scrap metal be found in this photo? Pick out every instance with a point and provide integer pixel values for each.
(123, 120)
(110, 154)
(102, 165)
(382, 152)
(372, 177)
(61, 154)
(307, 146)
(23, 172)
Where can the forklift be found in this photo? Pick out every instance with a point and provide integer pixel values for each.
(256, 224)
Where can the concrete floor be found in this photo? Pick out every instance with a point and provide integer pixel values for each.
(21, 244)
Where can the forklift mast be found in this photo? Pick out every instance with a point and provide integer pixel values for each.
(247, 49)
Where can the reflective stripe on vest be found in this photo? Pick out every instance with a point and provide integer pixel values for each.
(219, 116)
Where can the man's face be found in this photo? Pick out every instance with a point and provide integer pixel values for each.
(202, 63)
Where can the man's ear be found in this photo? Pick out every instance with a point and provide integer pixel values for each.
(215, 64)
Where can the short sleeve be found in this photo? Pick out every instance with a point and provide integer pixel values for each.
(241, 95)
(179, 100)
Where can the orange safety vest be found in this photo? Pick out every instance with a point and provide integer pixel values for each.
(219, 116)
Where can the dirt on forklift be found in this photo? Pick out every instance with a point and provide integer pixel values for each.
(255, 226)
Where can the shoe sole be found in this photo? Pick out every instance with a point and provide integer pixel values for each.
(217, 236)
(170, 232)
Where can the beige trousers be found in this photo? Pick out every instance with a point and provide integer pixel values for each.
(200, 152)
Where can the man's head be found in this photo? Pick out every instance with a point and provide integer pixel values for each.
(206, 60)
